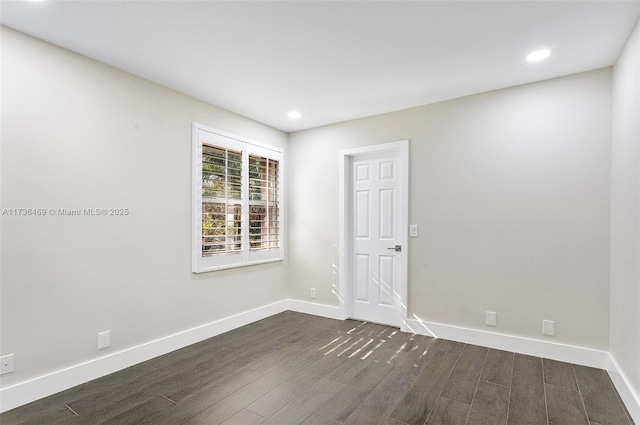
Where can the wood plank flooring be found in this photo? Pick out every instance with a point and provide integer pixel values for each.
(294, 368)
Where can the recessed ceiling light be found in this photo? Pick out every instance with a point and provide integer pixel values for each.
(538, 55)
(294, 115)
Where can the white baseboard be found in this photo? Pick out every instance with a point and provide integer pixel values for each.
(60, 380)
(323, 310)
(533, 347)
(628, 395)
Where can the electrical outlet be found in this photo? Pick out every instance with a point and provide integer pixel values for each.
(6, 364)
(104, 339)
(548, 327)
(491, 319)
(413, 230)
(312, 293)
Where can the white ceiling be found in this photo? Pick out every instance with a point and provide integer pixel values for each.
(332, 60)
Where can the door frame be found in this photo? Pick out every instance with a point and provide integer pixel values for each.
(344, 223)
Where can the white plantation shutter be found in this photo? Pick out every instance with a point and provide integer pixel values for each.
(237, 201)
(264, 204)
(221, 201)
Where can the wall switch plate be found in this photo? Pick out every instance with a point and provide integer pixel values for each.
(413, 230)
(548, 327)
(6, 364)
(312, 292)
(491, 319)
(104, 339)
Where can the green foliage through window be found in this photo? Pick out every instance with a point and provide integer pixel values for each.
(222, 228)
(221, 201)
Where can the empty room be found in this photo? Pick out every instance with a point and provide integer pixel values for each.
(192, 193)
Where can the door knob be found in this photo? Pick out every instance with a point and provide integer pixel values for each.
(397, 248)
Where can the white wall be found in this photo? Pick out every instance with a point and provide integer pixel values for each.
(511, 192)
(80, 134)
(625, 217)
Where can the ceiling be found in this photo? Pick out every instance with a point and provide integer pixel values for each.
(333, 60)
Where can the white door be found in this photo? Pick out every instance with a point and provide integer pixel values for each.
(377, 256)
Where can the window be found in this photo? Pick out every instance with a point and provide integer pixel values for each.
(237, 201)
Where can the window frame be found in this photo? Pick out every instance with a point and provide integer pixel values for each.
(203, 135)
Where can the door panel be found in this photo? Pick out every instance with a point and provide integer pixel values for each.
(362, 172)
(386, 280)
(387, 169)
(387, 206)
(362, 278)
(362, 214)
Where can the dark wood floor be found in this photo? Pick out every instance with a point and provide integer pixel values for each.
(294, 368)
